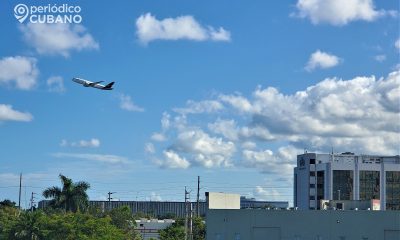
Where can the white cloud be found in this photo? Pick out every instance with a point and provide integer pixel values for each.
(173, 160)
(155, 197)
(105, 158)
(92, 143)
(53, 39)
(21, 71)
(149, 148)
(159, 137)
(165, 121)
(226, 128)
(56, 84)
(397, 44)
(339, 12)
(204, 150)
(282, 162)
(7, 113)
(380, 58)
(184, 27)
(266, 194)
(220, 35)
(322, 60)
(266, 130)
(239, 102)
(126, 103)
(207, 106)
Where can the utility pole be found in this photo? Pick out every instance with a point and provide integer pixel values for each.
(109, 200)
(188, 217)
(198, 197)
(190, 221)
(32, 200)
(20, 185)
(186, 214)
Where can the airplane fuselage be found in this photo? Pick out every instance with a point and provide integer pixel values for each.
(97, 85)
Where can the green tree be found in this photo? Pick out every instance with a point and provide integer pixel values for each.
(122, 218)
(199, 229)
(7, 203)
(174, 232)
(72, 196)
(27, 226)
(8, 218)
(62, 226)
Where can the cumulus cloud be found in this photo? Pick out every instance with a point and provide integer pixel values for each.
(58, 39)
(149, 28)
(105, 158)
(267, 129)
(126, 103)
(19, 71)
(207, 106)
(173, 160)
(266, 194)
(283, 161)
(380, 58)
(397, 44)
(55, 84)
(339, 12)
(321, 60)
(159, 137)
(92, 143)
(7, 113)
(226, 128)
(203, 149)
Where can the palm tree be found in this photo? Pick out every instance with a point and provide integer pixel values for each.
(72, 196)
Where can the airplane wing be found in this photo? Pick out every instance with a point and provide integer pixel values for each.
(94, 83)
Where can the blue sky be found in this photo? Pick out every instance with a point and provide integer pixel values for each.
(230, 91)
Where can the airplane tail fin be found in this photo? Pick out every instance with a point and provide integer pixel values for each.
(109, 86)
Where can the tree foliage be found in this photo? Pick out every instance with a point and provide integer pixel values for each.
(53, 226)
(71, 197)
(177, 230)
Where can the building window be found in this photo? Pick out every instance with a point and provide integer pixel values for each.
(342, 185)
(369, 185)
(312, 197)
(312, 174)
(320, 187)
(392, 190)
(312, 161)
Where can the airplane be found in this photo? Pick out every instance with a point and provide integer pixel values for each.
(87, 83)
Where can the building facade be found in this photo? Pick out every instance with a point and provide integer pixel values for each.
(262, 224)
(254, 203)
(346, 176)
(165, 209)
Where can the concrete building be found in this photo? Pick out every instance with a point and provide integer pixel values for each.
(217, 200)
(373, 204)
(262, 224)
(253, 203)
(346, 176)
(159, 209)
(162, 209)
